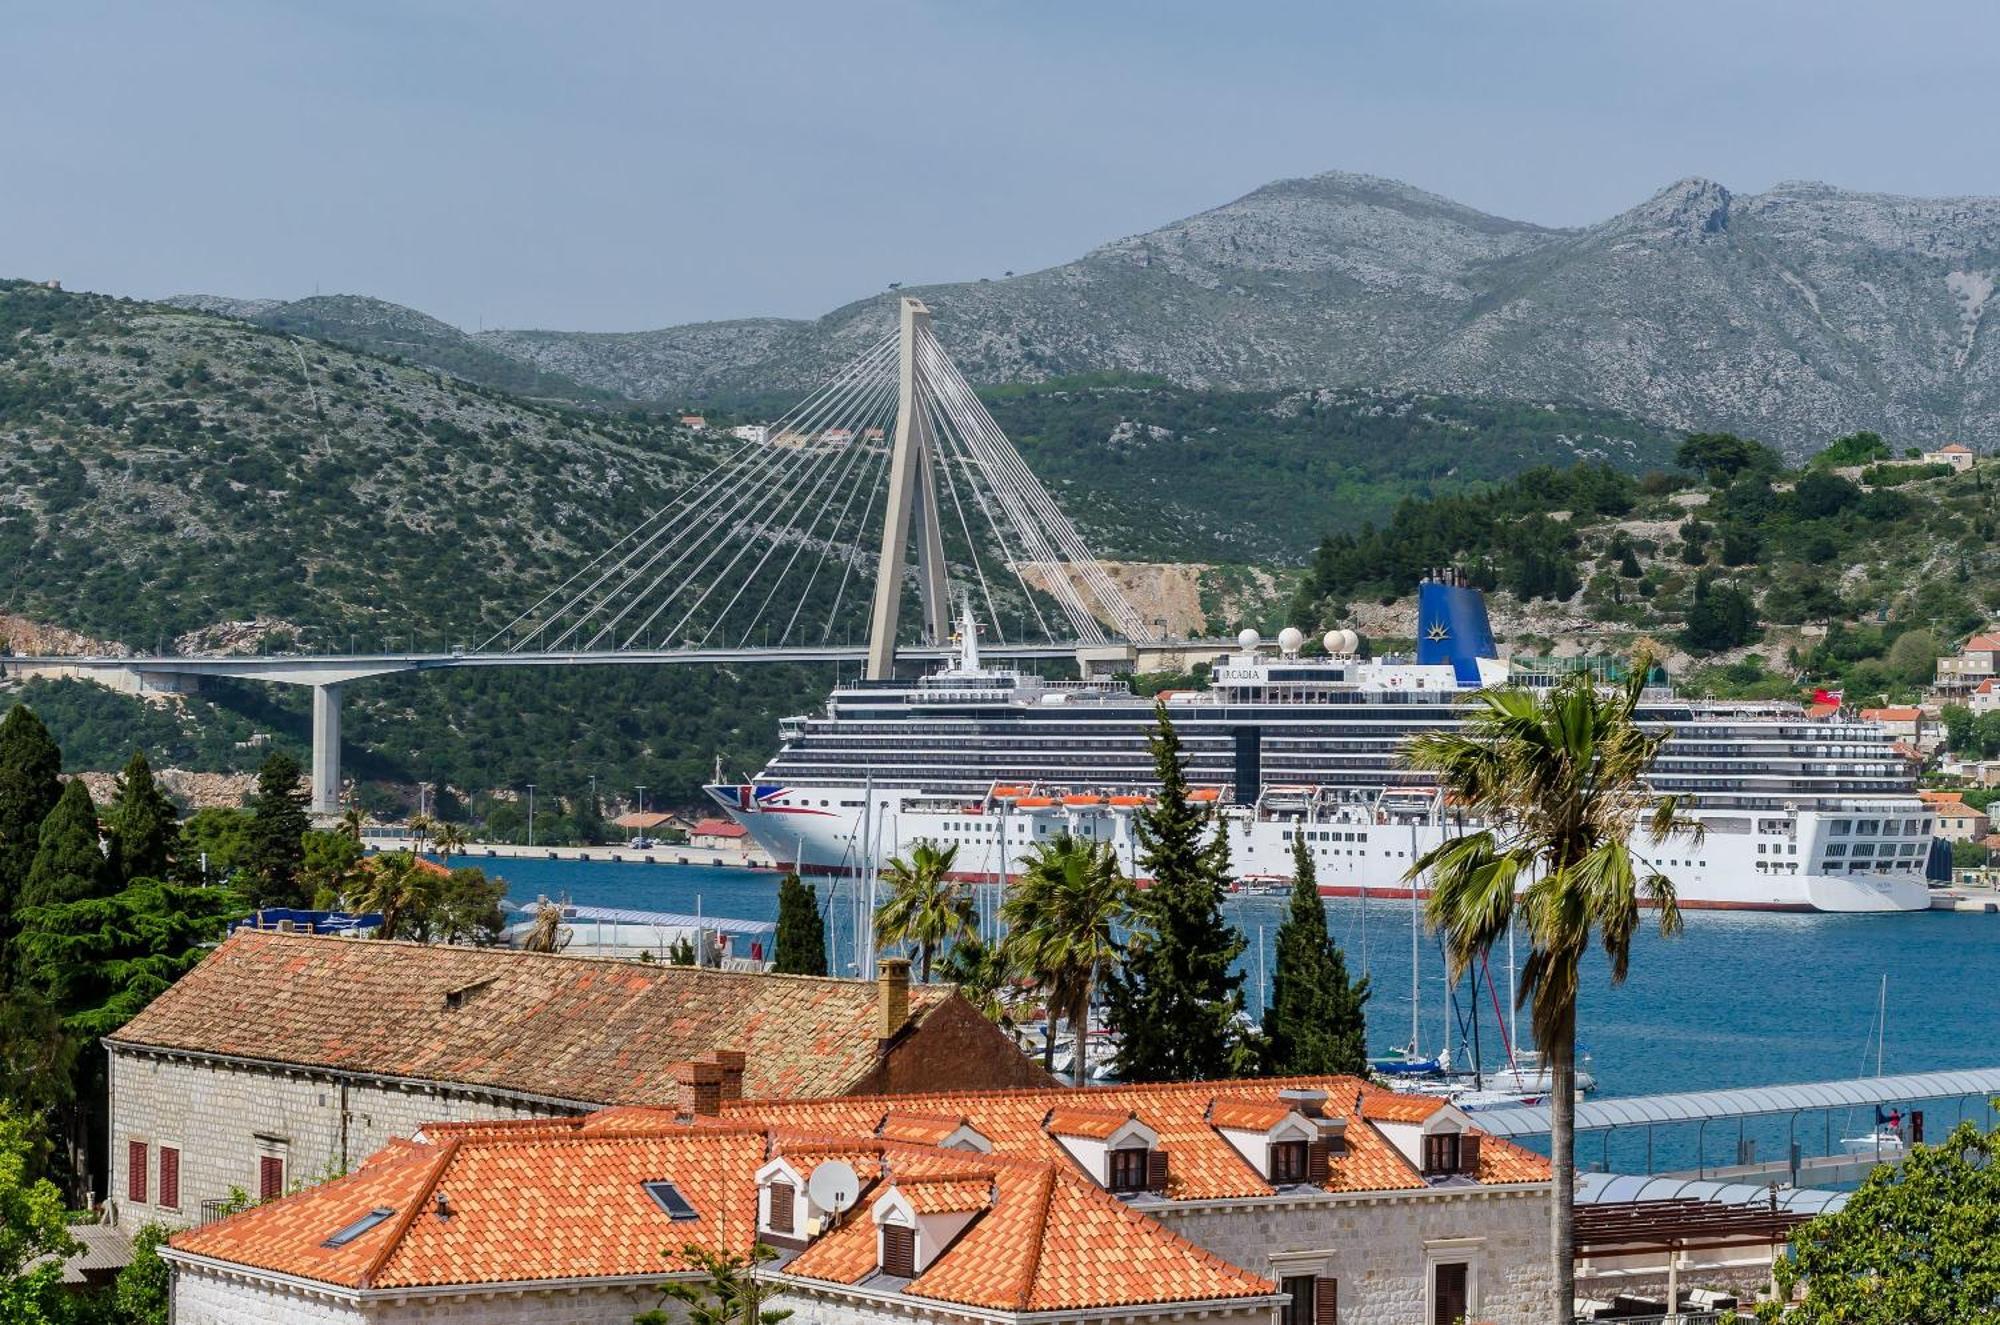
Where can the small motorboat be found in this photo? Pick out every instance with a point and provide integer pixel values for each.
(1882, 1141)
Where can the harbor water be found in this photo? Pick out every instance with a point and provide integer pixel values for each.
(1739, 999)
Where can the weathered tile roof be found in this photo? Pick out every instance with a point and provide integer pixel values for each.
(1094, 1123)
(926, 1129)
(588, 1029)
(1202, 1164)
(539, 1205)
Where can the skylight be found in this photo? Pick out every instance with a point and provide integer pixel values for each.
(358, 1227)
(668, 1197)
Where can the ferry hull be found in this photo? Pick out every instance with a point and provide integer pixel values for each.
(1353, 858)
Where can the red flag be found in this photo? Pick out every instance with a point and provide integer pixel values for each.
(1821, 696)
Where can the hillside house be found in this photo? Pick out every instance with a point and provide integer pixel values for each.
(1958, 456)
(1958, 676)
(285, 1058)
(1904, 722)
(1321, 1201)
(1959, 822)
(718, 835)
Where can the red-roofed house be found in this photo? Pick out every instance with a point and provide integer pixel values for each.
(283, 1057)
(717, 834)
(1904, 722)
(1959, 822)
(1312, 1201)
(1955, 454)
(1985, 696)
(1960, 675)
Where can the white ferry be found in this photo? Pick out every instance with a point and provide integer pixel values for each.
(1801, 813)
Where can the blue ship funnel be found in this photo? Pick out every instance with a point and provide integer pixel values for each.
(1452, 628)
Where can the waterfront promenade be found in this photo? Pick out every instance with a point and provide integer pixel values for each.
(662, 854)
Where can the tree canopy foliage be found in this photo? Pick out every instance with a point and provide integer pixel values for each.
(1314, 1023)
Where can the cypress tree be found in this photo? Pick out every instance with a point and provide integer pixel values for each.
(801, 930)
(277, 833)
(144, 827)
(1314, 1024)
(1176, 1001)
(30, 785)
(69, 864)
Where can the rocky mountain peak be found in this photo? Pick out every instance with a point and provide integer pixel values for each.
(1687, 210)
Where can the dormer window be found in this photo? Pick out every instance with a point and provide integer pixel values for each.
(784, 1199)
(1441, 1153)
(1128, 1169)
(1117, 1149)
(1289, 1162)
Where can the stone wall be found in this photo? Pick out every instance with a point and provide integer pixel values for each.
(1381, 1249)
(202, 1298)
(224, 1118)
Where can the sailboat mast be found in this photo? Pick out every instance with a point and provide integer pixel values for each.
(1416, 963)
(1881, 1021)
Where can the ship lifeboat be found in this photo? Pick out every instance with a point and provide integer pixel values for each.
(1128, 801)
(1009, 793)
(1034, 802)
(1205, 794)
(1083, 799)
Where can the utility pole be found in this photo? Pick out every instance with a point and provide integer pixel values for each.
(531, 814)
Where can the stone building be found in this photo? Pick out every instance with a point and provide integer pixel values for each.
(1318, 1201)
(284, 1059)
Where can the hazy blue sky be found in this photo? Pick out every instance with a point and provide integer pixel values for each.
(618, 166)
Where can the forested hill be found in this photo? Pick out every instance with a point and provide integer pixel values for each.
(1857, 573)
(1160, 472)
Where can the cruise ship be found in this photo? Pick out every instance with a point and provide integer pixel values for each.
(1800, 813)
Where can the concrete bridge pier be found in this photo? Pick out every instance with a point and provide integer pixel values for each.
(326, 749)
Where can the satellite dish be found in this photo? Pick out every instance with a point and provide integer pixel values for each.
(833, 1186)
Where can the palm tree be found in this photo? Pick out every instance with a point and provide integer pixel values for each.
(1063, 917)
(925, 906)
(351, 821)
(421, 828)
(392, 885)
(548, 934)
(1559, 782)
(447, 838)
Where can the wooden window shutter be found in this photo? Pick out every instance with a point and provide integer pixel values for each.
(1156, 1170)
(1316, 1164)
(899, 1251)
(270, 1177)
(1468, 1153)
(1326, 1301)
(135, 1172)
(782, 1196)
(170, 1177)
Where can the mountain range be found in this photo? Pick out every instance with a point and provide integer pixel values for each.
(1793, 315)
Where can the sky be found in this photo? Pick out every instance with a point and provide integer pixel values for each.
(599, 165)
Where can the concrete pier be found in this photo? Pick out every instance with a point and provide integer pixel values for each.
(326, 749)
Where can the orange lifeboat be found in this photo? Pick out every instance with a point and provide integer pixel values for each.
(1009, 793)
(1033, 802)
(1084, 798)
(1131, 800)
(1205, 794)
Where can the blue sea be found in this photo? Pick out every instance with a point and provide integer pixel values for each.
(1738, 999)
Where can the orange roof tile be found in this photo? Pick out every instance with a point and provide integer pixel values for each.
(1094, 1123)
(920, 1128)
(1201, 1162)
(1251, 1115)
(1821, 710)
(589, 1029)
(541, 1206)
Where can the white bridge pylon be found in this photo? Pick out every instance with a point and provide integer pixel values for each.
(774, 543)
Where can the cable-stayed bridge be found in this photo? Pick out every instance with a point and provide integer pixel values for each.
(845, 531)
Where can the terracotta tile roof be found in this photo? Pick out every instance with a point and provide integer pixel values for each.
(1250, 1115)
(540, 1206)
(718, 828)
(943, 1194)
(1201, 1163)
(1983, 643)
(1954, 448)
(1093, 1123)
(1821, 710)
(927, 1129)
(1390, 1107)
(1940, 797)
(590, 1029)
(1957, 810)
(1894, 713)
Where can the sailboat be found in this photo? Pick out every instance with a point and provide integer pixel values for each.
(1885, 1139)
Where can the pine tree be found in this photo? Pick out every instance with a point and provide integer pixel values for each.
(1175, 1003)
(801, 930)
(69, 863)
(277, 833)
(30, 785)
(1314, 1024)
(144, 826)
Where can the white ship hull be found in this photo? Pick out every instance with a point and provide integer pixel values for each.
(821, 830)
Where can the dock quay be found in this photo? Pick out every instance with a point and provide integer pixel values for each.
(655, 855)
(1968, 898)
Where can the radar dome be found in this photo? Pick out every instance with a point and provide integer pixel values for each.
(1351, 641)
(1290, 638)
(1332, 641)
(1247, 639)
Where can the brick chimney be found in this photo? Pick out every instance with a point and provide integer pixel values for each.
(731, 1062)
(892, 996)
(700, 1094)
